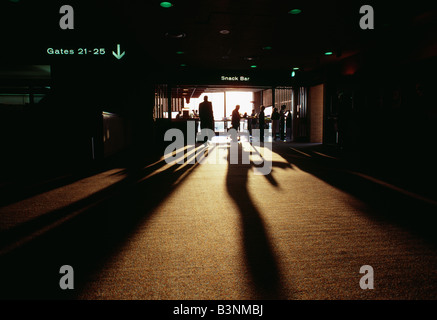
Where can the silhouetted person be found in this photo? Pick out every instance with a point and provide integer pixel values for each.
(251, 122)
(288, 123)
(196, 118)
(344, 119)
(275, 123)
(262, 123)
(282, 122)
(236, 118)
(206, 115)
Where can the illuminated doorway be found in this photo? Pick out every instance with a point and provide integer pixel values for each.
(186, 99)
(223, 104)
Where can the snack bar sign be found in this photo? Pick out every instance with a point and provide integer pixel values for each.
(235, 78)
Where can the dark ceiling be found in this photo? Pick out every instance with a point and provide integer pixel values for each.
(187, 35)
(193, 27)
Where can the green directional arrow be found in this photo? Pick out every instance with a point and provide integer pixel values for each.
(118, 55)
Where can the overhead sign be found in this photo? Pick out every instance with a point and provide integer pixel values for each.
(119, 54)
(235, 78)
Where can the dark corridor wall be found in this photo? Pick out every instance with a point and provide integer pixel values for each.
(388, 113)
(57, 134)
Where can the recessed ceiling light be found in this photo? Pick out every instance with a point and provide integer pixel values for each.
(295, 11)
(175, 35)
(166, 4)
(224, 31)
(328, 53)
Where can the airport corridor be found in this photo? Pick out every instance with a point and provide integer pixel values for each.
(218, 231)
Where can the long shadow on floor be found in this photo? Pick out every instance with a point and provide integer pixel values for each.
(380, 203)
(260, 257)
(95, 230)
(38, 179)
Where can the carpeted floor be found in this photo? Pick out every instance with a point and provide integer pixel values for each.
(218, 231)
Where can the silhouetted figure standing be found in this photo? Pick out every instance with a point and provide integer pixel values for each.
(206, 115)
(236, 118)
(275, 123)
(251, 122)
(282, 122)
(288, 124)
(262, 123)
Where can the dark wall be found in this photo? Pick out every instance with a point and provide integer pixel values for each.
(56, 134)
(388, 112)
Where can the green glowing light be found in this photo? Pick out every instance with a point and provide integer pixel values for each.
(328, 53)
(183, 65)
(179, 52)
(296, 68)
(166, 4)
(254, 66)
(293, 74)
(295, 11)
(267, 48)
